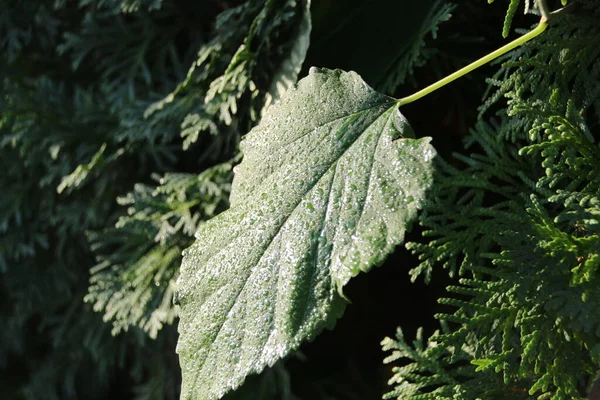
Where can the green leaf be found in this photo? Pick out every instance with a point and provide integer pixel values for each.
(330, 180)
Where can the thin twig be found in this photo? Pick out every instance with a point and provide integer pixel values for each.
(476, 64)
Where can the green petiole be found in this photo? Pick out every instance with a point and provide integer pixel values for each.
(474, 65)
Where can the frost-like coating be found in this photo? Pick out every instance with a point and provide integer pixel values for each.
(328, 185)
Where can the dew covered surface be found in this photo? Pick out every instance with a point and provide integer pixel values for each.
(331, 179)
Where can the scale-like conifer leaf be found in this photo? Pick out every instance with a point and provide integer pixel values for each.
(287, 73)
(331, 178)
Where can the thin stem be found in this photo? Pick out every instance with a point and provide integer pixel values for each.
(482, 61)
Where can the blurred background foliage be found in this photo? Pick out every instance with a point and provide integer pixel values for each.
(119, 125)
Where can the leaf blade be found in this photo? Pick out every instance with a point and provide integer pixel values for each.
(268, 274)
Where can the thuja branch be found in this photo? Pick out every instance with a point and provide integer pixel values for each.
(474, 65)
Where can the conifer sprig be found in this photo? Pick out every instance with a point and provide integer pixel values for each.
(518, 224)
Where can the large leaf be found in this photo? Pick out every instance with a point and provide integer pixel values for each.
(329, 182)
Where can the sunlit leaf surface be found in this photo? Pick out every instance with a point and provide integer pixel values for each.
(331, 179)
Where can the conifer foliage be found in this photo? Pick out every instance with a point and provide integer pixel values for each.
(517, 222)
(97, 108)
(120, 125)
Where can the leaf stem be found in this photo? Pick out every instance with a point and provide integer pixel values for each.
(474, 65)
